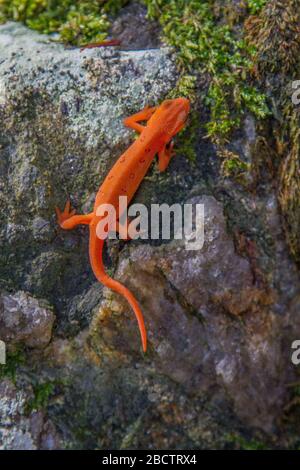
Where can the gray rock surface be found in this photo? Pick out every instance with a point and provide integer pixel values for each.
(20, 429)
(24, 321)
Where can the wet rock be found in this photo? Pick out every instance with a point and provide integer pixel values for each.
(23, 320)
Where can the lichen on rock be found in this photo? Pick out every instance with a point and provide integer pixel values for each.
(20, 430)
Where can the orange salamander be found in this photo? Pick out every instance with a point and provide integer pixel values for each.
(163, 122)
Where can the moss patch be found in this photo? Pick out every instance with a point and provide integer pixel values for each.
(256, 5)
(275, 33)
(240, 443)
(14, 359)
(77, 22)
(207, 45)
(42, 393)
(289, 186)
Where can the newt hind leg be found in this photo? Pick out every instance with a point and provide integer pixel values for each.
(67, 218)
(164, 156)
(134, 120)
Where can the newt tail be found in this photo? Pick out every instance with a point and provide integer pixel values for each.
(96, 246)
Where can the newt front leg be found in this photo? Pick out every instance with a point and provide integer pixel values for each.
(134, 120)
(68, 220)
(164, 156)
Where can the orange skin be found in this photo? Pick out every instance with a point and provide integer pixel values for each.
(162, 124)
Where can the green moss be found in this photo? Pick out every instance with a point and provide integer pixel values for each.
(186, 141)
(256, 5)
(14, 359)
(205, 45)
(42, 393)
(275, 33)
(80, 28)
(245, 444)
(185, 86)
(289, 187)
(77, 22)
(234, 166)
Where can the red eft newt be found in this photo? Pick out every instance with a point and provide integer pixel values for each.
(162, 124)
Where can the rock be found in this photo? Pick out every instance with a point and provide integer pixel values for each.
(20, 430)
(132, 19)
(192, 301)
(90, 90)
(24, 321)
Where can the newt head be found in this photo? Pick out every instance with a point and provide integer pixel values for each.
(173, 115)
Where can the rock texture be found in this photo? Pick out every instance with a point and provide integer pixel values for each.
(221, 320)
(20, 430)
(210, 324)
(23, 320)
